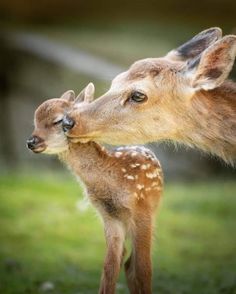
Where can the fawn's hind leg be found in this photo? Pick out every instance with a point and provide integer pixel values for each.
(138, 267)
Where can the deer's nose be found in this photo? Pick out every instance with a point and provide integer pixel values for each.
(32, 142)
(67, 123)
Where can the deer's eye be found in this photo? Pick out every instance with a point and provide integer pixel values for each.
(138, 97)
(57, 122)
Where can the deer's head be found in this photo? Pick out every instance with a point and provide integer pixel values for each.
(147, 102)
(48, 135)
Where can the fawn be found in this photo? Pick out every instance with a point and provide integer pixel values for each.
(183, 97)
(123, 184)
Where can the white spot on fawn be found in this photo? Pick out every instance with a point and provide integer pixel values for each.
(140, 187)
(141, 195)
(149, 175)
(129, 177)
(124, 170)
(153, 175)
(133, 165)
(135, 194)
(157, 188)
(118, 154)
(145, 166)
(134, 153)
(156, 172)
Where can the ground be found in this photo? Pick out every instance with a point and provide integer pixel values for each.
(48, 244)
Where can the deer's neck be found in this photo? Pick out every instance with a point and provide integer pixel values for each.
(210, 123)
(85, 160)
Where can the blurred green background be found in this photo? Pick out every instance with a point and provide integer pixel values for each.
(49, 242)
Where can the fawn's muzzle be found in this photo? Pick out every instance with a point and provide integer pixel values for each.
(32, 142)
(67, 123)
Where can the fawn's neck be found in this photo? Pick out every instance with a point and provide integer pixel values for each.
(85, 160)
(210, 123)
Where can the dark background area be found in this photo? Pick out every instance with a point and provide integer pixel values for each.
(58, 11)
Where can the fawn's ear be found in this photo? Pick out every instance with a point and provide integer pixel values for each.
(87, 94)
(68, 95)
(196, 45)
(212, 68)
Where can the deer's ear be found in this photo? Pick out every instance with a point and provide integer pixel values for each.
(195, 46)
(87, 94)
(68, 95)
(212, 68)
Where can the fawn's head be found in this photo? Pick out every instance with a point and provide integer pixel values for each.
(48, 135)
(148, 100)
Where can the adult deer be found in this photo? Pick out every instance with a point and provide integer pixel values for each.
(124, 185)
(183, 97)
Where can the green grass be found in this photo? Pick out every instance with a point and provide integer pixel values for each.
(44, 237)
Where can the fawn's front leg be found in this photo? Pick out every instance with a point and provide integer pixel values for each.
(115, 236)
(138, 267)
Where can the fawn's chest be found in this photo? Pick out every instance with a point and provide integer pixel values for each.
(110, 202)
(105, 188)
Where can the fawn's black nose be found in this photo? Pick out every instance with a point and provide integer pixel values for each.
(67, 123)
(32, 142)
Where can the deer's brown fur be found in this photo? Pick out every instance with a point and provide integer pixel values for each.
(124, 185)
(188, 100)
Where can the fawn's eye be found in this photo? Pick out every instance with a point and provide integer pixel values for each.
(57, 122)
(138, 97)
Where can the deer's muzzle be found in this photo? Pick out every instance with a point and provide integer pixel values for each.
(67, 123)
(35, 144)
